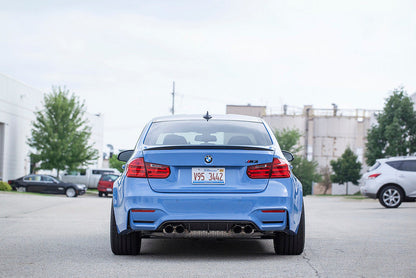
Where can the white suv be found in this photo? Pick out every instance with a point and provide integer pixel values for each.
(391, 181)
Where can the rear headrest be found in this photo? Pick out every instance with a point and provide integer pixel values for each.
(239, 140)
(173, 139)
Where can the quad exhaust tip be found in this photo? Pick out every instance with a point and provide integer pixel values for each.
(169, 229)
(247, 229)
(180, 229)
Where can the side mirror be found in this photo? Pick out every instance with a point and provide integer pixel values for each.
(289, 156)
(125, 155)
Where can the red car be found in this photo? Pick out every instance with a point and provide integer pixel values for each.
(105, 184)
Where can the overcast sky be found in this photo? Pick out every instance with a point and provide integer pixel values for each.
(122, 56)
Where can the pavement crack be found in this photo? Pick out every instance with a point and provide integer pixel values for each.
(308, 261)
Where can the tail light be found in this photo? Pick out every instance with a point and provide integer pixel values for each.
(373, 176)
(138, 168)
(275, 169)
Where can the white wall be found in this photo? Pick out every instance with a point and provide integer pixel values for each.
(17, 105)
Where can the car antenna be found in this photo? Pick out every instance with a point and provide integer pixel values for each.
(207, 116)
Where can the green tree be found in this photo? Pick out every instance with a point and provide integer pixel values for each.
(395, 132)
(60, 133)
(305, 171)
(115, 163)
(326, 182)
(346, 168)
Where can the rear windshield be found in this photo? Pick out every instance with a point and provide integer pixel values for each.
(375, 166)
(109, 177)
(228, 133)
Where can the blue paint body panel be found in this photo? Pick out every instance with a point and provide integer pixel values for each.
(176, 198)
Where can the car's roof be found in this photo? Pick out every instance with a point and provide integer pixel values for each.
(394, 158)
(229, 117)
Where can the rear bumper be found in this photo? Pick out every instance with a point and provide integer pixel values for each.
(139, 208)
(369, 188)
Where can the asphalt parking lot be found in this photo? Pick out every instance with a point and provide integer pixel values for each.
(55, 236)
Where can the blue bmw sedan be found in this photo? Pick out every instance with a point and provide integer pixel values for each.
(210, 176)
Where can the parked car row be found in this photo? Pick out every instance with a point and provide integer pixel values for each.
(46, 184)
(51, 185)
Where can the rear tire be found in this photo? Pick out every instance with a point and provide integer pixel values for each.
(128, 244)
(100, 194)
(391, 196)
(285, 244)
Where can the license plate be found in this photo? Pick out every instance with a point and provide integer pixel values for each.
(109, 189)
(208, 175)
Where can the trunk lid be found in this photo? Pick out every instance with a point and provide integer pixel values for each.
(233, 161)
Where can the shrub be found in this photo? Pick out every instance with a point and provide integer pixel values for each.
(4, 186)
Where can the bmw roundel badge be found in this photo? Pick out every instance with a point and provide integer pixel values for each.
(208, 159)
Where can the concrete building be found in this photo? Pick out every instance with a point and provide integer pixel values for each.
(249, 110)
(326, 133)
(18, 102)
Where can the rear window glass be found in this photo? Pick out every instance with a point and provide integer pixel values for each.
(229, 133)
(375, 166)
(109, 177)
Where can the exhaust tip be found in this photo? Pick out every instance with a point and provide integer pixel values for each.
(248, 229)
(180, 229)
(168, 229)
(237, 229)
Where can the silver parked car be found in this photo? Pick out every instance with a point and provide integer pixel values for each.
(391, 181)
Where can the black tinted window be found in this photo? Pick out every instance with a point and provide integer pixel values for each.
(101, 172)
(408, 165)
(208, 133)
(394, 164)
(109, 177)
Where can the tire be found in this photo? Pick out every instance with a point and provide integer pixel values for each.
(128, 244)
(106, 194)
(70, 192)
(100, 194)
(391, 196)
(285, 244)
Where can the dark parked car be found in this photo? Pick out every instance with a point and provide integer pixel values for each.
(46, 184)
(105, 184)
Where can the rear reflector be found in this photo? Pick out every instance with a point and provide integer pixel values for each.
(138, 168)
(142, 210)
(275, 169)
(273, 211)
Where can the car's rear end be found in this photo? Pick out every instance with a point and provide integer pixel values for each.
(105, 184)
(221, 177)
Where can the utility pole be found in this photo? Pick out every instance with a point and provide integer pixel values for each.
(173, 99)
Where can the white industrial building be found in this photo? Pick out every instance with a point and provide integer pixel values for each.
(18, 102)
(326, 133)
